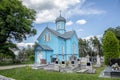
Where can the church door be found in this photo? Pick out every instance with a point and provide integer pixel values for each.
(39, 57)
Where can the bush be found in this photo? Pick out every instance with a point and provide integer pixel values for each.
(31, 57)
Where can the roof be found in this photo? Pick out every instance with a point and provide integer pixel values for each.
(43, 47)
(60, 18)
(66, 35)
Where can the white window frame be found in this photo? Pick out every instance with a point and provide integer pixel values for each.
(47, 37)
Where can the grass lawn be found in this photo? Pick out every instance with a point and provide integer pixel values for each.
(26, 73)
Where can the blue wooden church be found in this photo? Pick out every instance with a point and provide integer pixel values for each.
(56, 44)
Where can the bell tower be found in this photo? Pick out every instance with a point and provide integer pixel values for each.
(60, 24)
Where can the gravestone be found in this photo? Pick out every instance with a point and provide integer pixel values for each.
(98, 63)
(101, 59)
(56, 62)
(78, 62)
(63, 64)
(88, 58)
(83, 62)
(90, 67)
(56, 66)
(72, 61)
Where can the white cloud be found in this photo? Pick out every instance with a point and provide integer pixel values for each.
(24, 44)
(80, 11)
(48, 10)
(45, 16)
(88, 37)
(82, 21)
(98, 36)
(69, 23)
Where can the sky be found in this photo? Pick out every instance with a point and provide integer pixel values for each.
(87, 17)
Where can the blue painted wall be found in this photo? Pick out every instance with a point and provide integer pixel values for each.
(56, 44)
(53, 43)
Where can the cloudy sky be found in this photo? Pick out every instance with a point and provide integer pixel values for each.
(86, 17)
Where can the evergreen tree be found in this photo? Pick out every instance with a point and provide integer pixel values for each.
(110, 46)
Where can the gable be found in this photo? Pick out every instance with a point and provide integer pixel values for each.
(42, 34)
(66, 35)
(74, 36)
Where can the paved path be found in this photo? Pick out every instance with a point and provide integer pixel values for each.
(13, 66)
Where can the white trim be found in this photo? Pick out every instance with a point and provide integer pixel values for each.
(47, 37)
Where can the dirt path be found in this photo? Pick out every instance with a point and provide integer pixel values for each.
(13, 66)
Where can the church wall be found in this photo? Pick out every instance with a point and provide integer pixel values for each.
(53, 43)
(61, 44)
(68, 48)
(74, 41)
(48, 56)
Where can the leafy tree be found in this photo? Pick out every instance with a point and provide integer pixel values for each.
(110, 46)
(15, 24)
(5, 48)
(26, 54)
(96, 45)
(116, 31)
(15, 21)
(83, 47)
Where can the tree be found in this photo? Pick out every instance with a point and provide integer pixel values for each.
(83, 47)
(116, 31)
(96, 45)
(26, 54)
(110, 46)
(15, 23)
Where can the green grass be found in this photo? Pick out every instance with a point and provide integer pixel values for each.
(26, 73)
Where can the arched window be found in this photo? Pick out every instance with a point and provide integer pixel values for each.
(74, 49)
(62, 49)
(47, 37)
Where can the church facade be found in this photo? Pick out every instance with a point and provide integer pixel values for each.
(56, 44)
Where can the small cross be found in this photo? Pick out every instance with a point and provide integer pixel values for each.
(60, 12)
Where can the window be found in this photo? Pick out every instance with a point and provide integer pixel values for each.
(74, 49)
(47, 37)
(62, 49)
